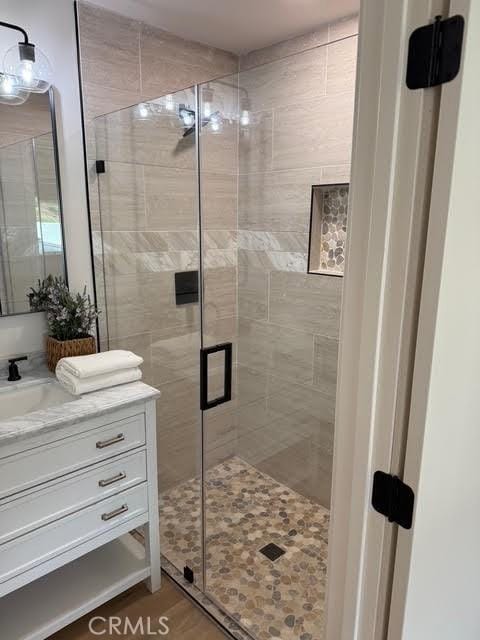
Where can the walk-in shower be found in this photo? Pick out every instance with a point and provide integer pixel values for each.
(205, 217)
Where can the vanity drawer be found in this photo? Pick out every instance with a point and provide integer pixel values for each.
(56, 499)
(34, 548)
(58, 458)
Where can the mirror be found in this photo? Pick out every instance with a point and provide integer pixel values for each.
(31, 233)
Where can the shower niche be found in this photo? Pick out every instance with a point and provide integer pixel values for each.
(328, 229)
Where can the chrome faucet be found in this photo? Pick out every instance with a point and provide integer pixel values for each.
(13, 373)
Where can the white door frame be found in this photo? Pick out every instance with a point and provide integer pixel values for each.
(436, 587)
(393, 151)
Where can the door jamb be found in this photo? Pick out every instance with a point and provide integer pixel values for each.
(393, 152)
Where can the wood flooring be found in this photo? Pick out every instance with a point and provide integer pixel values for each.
(185, 620)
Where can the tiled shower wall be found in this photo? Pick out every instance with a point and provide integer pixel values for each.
(288, 326)
(278, 316)
(149, 223)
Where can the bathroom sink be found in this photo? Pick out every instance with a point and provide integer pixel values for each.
(20, 401)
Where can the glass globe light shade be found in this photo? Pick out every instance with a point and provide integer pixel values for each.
(30, 66)
(10, 92)
(142, 111)
(216, 123)
(245, 118)
(169, 102)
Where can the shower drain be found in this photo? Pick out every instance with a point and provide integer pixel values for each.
(272, 551)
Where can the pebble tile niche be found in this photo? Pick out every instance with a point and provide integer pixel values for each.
(328, 229)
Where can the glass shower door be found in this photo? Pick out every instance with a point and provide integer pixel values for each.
(270, 135)
(146, 237)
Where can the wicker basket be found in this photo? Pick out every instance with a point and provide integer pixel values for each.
(58, 349)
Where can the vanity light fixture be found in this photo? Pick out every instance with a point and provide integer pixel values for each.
(169, 102)
(26, 65)
(207, 101)
(143, 111)
(10, 92)
(244, 111)
(216, 122)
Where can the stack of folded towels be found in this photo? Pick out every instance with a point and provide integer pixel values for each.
(82, 374)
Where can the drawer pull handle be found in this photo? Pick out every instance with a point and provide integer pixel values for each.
(112, 480)
(115, 513)
(101, 444)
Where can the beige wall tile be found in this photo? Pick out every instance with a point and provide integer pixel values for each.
(325, 365)
(288, 81)
(273, 348)
(336, 174)
(101, 99)
(170, 63)
(127, 305)
(218, 330)
(122, 197)
(311, 413)
(126, 242)
(220, 298)
(157, 140)
(175, 353)
(258, 438)
(277, 201)
(171, 198)
(219, 201)
(251, 385)
(341, 65)
(255, 143)
(284, 48)
(220, 429)
(315, 133)
(178, 432)
(343, 28)
(273, 260)
(218, 150)
(310, 302)
(253, 293)
(109, 48)
(302, 467)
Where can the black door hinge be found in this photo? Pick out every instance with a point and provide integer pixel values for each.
(435, 52)
(393, 498)
(188, 574)
(100, 166)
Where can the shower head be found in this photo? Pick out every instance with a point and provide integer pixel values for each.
(213, 118)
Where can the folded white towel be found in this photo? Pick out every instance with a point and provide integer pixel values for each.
(99, 363)
(78, 386)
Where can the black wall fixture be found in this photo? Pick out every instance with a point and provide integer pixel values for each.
(186, 287)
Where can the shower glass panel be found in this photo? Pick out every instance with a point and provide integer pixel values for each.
(268, 453)
(147, 247)
(201, 247)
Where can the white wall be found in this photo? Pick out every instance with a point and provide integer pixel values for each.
(51, 26)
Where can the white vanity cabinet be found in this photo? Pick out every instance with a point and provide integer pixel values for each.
(69, 497)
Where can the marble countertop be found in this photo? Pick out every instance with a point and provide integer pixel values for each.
(89, 405)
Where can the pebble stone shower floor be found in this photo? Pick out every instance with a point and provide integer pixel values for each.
(246, 510)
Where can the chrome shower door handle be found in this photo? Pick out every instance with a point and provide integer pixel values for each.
(205, 403)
